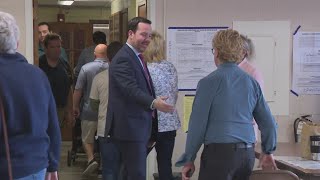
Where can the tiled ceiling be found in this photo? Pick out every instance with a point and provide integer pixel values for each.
(78, 3)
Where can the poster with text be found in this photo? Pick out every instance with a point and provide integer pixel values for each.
(190, 51)
(306, 63)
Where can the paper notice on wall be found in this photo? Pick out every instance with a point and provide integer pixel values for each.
(306, 63)
(187, 109)
(189, 50)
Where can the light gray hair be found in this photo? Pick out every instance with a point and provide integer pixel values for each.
(9, 33)
(248, 47)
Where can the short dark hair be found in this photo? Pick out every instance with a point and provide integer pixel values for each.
(112, 49)
(99, 37)
(50, 37)
(45, 23)
(133, 23)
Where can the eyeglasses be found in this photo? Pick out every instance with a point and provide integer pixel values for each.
(212, 50)
(146, 35)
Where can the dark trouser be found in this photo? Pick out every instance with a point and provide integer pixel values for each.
(226, 161)
(110, 158)
(164, 147)
(133, 156)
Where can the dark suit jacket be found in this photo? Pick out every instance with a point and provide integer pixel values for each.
(129, 98)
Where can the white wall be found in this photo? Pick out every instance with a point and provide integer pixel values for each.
(22, 11)
(74, 15)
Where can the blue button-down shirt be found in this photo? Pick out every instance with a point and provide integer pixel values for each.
(226, 102)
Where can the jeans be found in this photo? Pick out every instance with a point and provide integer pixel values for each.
(164, 148)
(110, 158)
(36, 176)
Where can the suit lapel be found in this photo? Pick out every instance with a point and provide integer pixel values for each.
(137, 61)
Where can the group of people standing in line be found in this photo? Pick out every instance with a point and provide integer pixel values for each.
(126, 95)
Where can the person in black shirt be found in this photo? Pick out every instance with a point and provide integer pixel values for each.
(59, 74)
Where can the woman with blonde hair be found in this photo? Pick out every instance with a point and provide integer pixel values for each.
(165, 81)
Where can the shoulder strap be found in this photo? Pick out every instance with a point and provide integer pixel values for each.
(67, 67)
(6, 140)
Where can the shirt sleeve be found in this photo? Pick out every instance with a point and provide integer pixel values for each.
(81, 81)
(266, 124)
(94, 93)
(198, 122)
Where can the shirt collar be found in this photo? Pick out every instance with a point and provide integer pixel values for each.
(6, 58)
(100, 59)
(243, 62)
(227, 64)
(133, 49)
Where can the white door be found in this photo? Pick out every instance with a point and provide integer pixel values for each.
(273, 48)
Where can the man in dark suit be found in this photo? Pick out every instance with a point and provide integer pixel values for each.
(132, 102)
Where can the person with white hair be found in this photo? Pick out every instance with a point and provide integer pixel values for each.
(29, 128)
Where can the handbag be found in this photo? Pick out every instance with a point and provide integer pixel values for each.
(308, 129)
(6, 141)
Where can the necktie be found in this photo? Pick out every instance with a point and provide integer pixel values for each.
(146, 73)
(145, 70)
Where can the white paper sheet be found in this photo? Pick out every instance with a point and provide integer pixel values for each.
(306, 63)
(189, 49)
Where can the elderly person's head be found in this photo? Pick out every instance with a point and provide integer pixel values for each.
(155, 51)
(248, 48)
(228, 46)
(9, 34)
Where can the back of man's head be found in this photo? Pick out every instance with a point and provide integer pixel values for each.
(9, 33)
(101, 51)
(99, 37)
(113, 48)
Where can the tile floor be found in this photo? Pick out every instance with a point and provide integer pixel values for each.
(74, 172)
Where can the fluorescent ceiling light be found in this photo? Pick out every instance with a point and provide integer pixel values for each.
(65, 3)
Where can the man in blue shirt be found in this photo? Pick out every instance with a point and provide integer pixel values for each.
(81, 103)
(87, 54)
(226, 102)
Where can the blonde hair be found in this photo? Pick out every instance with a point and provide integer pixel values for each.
(155, 50)
(229, 45)
(248, 47)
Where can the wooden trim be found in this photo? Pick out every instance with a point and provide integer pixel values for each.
(141, 8)
(35, 33)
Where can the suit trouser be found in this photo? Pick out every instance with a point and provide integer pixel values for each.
(164, 147)
(226, 161)
(133, 155)
(110, 158)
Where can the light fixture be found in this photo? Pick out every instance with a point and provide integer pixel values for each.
(65, 2)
